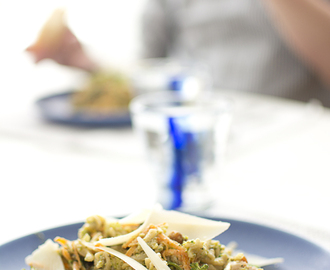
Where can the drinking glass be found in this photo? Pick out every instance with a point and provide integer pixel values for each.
(185, 141)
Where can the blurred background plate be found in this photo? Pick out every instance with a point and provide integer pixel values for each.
(252, 238)
(57, 108)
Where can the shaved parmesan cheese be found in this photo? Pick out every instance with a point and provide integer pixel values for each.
(46, 257)
(140, 216)
(156, 261)
(189, 225)
(112, 220)
(137, 217)
(133, 263)
(124, 238)
(262, 261)
(254, 259)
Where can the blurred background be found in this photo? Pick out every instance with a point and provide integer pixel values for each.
(33, 152)
(109, 31)
(276, 169)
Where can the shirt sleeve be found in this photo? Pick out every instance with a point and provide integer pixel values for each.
(155, 30)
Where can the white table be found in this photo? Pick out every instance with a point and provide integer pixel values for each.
(276, 171)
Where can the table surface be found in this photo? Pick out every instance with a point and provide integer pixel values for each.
(276, 170)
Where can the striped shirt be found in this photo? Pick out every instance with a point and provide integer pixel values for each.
(236, 40)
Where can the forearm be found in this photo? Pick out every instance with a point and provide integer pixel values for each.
(305, 25)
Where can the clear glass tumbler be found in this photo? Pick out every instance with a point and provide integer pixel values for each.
(185, 140)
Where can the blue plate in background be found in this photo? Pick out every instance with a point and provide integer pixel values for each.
(58, 108)
(252, 238)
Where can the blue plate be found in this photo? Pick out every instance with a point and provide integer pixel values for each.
(58, 108)
(255, 239)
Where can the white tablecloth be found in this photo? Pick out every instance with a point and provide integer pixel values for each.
(276, 170)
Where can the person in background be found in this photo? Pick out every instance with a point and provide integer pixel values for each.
(273, 47)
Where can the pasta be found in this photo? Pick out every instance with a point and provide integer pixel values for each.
(104, 92)
(155, 247)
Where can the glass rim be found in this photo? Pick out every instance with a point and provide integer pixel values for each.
(215, 102)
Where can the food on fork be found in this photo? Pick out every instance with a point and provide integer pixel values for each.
(153, 239)
(57, 42)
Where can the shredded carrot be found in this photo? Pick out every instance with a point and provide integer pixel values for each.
(162, 238)
(181, 255)
(77, 256)
(131, 250)
(133, 243)
(66, 265)
(174, 249)
(62, 241)
(75, 266)
(66, 254)
(244, 259)
(133, 240)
